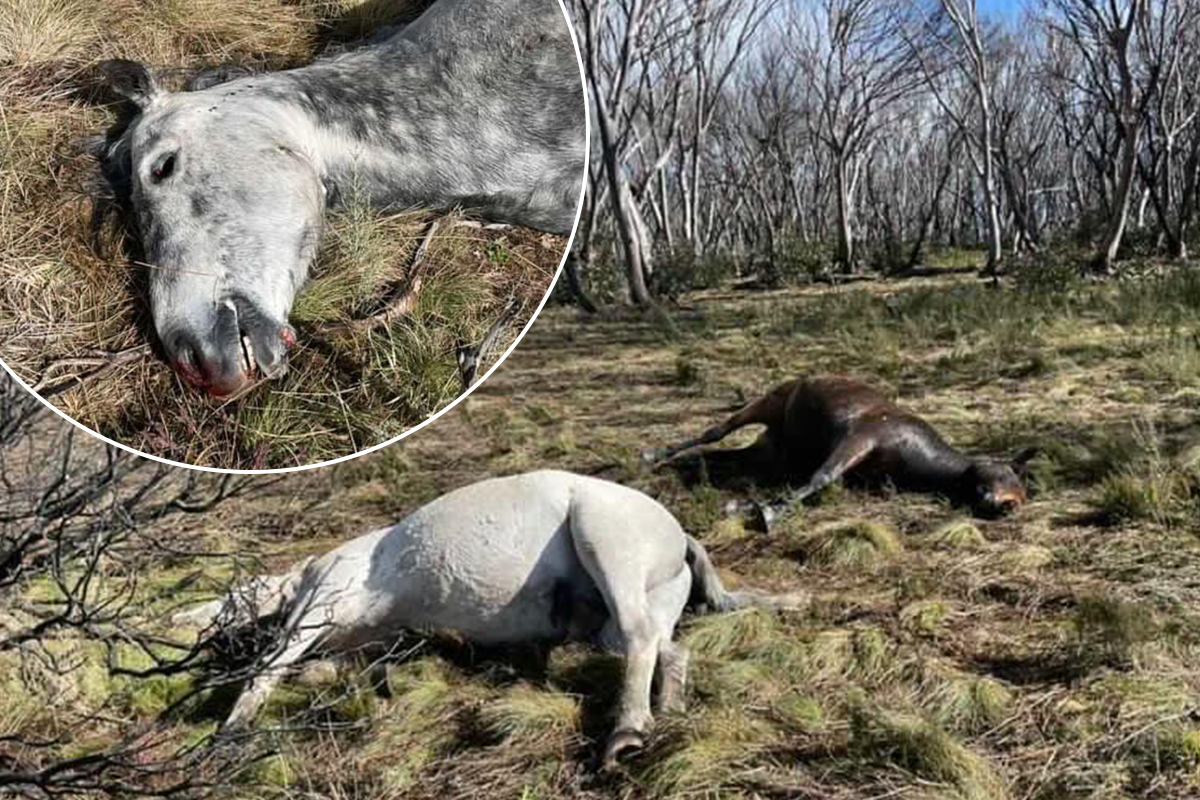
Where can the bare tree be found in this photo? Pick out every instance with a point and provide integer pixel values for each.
(860, 67)
(1026, 136)
(1102, 33)
(1169, 48)
(618, 38)
(963, 53)
(749, 129)
(721, 32)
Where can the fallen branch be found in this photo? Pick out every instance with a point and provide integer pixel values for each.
(406, 300)
(99, 362)
(485, 226)
(471, 356)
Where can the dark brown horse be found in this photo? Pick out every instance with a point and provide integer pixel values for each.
(828, 427)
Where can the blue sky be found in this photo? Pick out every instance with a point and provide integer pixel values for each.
(1011, 7)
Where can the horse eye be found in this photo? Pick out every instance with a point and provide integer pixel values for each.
(163, 169)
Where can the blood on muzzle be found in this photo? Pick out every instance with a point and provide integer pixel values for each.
(242, 343)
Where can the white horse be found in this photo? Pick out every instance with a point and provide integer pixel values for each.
(544, 556)
(477, 103)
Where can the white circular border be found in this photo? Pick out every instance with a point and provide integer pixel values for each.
(587, 128)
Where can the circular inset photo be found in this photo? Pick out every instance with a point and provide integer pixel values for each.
(271, 234)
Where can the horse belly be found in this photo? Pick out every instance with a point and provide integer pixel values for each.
(504, 599)
(490, 568)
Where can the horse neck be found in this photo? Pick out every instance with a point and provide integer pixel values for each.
(366, 152)
(933, 462)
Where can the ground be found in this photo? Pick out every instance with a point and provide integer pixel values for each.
(1049, 655)
(74, 319)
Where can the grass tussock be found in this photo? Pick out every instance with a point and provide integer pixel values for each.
(866, 655)
(702, 752)
(732, 634)
(957, 535)
(1024, 557)
(925, 617)
(523, 714)
(37, 31)
(421, 723)
(1149, 484)
(929, 752)
(858, 545)
(959, 701)
(1111, 631)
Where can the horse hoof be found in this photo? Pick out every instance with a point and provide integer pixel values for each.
(621, 744)
(760, 517)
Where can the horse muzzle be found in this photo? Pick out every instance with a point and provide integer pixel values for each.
(1000, 504)
(224, 357)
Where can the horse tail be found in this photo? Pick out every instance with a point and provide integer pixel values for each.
(710, 595)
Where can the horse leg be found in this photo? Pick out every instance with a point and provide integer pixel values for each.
(764, 411)
(306, 633)
(673, 660)
(630, 630)
(258, 598)
(847, 455)
(666, 605)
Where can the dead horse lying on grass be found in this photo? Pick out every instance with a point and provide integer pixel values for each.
(831, 426)
(544, 556)
(477, 103)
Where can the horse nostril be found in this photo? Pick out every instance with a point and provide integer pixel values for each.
(184, 356)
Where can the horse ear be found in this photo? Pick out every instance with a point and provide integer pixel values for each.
(1020, 462)
(132, 81)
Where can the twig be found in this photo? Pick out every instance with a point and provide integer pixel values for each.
(100, 362)
(484, 226)
(406, 300)
(471, 356)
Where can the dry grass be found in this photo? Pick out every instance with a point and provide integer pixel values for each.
(37, 31)
(72, 292)
(854, 545)
(1048, 656)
